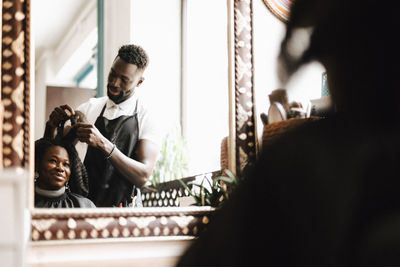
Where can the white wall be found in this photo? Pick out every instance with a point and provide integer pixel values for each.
(54, 66)
(117, 31)
(206, 95)
(15, 223)
(138, 252)
(42, 72)
(207, 83)
(157, 30)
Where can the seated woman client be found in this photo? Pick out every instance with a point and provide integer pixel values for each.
(58, 172)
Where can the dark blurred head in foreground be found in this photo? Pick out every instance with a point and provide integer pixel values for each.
(327, 193)
(356, 41)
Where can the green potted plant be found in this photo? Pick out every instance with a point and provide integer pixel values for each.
(172, 162)
(212, 192)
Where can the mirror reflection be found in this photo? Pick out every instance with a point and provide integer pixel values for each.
(304, 91)
(183, 87)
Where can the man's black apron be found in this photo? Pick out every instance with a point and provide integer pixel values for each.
(107, 188)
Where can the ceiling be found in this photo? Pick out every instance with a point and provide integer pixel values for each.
(50, 21)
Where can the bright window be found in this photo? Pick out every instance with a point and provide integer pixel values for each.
(187, 77)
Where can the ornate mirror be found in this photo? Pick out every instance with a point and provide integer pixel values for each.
(102, 224)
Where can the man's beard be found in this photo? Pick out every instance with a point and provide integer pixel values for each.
(115, 98)
(122, 96)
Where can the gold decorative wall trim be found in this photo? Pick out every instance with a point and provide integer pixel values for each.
(15, 82)
(81, 224)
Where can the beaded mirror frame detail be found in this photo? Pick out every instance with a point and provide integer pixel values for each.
(82, 224)
(15, 82)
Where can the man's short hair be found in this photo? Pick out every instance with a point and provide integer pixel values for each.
(134, 54)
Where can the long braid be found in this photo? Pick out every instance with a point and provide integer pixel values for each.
(79, 180)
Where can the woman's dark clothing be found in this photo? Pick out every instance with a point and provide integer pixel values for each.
(107, 187)
(66, 200)
(326, 194)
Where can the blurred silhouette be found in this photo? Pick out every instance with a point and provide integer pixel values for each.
(328, 192)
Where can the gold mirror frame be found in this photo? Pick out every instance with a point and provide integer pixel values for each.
(101, 223)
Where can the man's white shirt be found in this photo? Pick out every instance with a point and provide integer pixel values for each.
(148, 126)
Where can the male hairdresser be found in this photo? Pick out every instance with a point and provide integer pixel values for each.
(120, 139)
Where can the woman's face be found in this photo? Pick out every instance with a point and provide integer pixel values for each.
(54, 169)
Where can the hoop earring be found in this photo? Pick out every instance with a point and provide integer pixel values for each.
(67, 187)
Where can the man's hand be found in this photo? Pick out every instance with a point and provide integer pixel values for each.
(60, 115)
(57, 117)
(89, 134)
(137, 170)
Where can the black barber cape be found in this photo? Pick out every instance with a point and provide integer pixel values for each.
(60, 199)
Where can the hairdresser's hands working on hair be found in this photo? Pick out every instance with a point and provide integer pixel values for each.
(137, 170)
(89, 134)
(58, 116)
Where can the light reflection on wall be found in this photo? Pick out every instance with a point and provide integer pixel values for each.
(207, 82)
(268, 33)
(206, 95)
